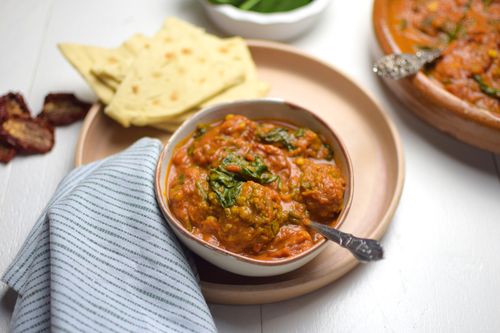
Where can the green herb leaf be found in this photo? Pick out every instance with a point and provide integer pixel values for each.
(264, 6)
(235, 3)
(485, 88)
(249, 4)
(454, 32)
(201, 190)
(278, 135)
(403, 24)
(329, 157)
(424, 47)
(200, 130)
(227, 184)
(299, 132)
(256, 170)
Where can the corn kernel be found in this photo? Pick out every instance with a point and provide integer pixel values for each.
(300, 161)
(492, 53)
(433, 6)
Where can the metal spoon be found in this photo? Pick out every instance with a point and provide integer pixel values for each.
(363, 249)
(397, 66)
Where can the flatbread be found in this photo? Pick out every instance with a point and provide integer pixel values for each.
(112, 70)
(180, 70)
(249, 89)
(82, 57)
(235, 50)
(162, 81)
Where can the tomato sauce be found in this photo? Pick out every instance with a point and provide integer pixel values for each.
(252, 187)
(468, 32)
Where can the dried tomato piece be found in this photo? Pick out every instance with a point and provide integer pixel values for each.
(6, 153)
(13, 104)
(27, 135)
(63, 109)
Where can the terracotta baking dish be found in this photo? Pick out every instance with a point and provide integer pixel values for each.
(428, 100)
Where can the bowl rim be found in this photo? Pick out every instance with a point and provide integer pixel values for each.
(175, 223)
(298, 14)
(436, 94)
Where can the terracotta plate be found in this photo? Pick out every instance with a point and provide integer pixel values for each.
(371, 140)
(431, 102)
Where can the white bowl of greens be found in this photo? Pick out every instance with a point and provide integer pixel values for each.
(265, 19)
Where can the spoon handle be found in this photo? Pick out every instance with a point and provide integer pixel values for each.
(400, 65)
(363, 249)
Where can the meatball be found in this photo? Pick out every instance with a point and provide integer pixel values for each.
(322, 189)
(187, 196)
(254, 220)
(235, 133)
(291, 240)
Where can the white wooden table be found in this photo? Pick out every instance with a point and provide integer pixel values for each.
(442, 266)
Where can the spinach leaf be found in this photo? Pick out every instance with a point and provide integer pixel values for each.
(299, 132)
(454, 32)
(264, 6)
(485, 88)
(256, 170)
(278, 135)
(235, 3)
(200, 130)
(226, 180)
(403, 24)
(249, 4)
(329, 157)
(225, 185)
(201, 190)
(272, 6)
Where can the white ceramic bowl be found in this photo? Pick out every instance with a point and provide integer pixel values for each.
(252, 109)
(276, 26)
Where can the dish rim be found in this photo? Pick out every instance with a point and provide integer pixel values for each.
(172, 220)
(436, 94)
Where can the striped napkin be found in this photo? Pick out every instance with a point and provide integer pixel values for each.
(102, 259)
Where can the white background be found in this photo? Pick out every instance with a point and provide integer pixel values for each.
(442, 266)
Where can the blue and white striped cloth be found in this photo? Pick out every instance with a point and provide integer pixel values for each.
(102, 259)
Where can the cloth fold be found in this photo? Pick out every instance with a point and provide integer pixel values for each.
(102, 259)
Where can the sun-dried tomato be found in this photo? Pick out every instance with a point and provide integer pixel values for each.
(63, 109)
(6, 153)
(27, 135)
(13, 104)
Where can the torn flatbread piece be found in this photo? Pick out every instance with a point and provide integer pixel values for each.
(82, 58)
(112, 70)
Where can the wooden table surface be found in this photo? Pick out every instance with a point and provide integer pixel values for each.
(442, 267)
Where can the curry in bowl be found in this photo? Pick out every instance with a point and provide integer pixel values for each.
(251, 187)
(467, 32)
